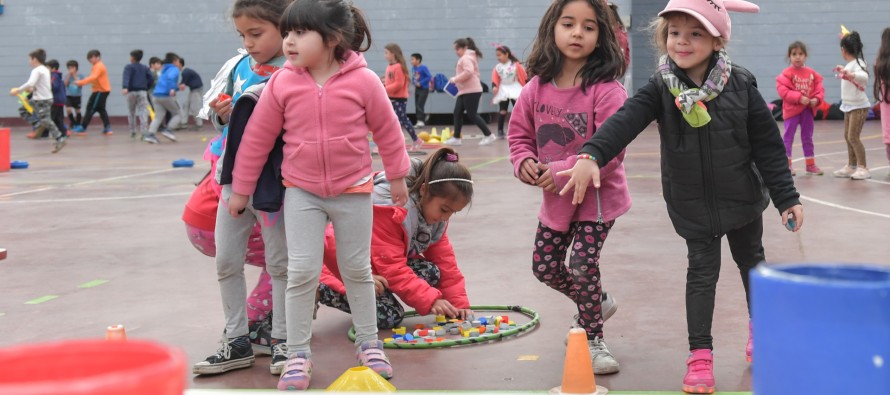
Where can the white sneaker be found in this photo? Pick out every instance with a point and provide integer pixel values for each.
(844, 172)
(603, 360)
(487, 139)
(168, 134)
(452, 141)
(419, 124)
(609, 306)
(861, 174)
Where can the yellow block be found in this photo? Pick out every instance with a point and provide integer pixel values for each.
(399, 331)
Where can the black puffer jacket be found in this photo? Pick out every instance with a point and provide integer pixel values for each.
(715, 178)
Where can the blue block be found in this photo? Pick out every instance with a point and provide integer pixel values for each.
(408, 337)
(18, 164)
(183, 163)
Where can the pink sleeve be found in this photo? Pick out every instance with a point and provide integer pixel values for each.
(464, 69)
(522, 138)
(386, 130)
(259, 137)
(786, 89)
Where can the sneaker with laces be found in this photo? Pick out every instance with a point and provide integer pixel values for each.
(699, 377)
(232, 354)
(844, 172)
(169, 135)
(370, 354)
(603, 360)
(296, 374)
(452, 141)
(814, 170)
(151, 139)
(279, 358)
(60, 143)
(260, 333)
(419, 124)
(861, 173)
(749, 349)
(487, 140)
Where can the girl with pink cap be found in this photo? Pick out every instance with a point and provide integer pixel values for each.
(723, 158)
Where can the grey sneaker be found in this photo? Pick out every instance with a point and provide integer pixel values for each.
(279, 358)
(608, 307)
(169, 135)
(601, 357)
(59, 144)
(151, 139)
(232, 354)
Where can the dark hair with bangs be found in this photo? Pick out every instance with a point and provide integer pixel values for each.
(440, 165)
(264, 10)
(605, 63)
(334, 20)
(852, 43)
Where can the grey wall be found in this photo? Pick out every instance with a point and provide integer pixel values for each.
(201, 32)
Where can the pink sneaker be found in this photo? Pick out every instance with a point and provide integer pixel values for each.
(749, 349)
(814, 170)
(370, 354)
(296, 373)
(699, 377)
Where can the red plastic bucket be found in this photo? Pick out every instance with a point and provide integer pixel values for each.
(94, 367)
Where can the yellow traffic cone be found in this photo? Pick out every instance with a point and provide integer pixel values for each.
(446, 134)
(435, 133)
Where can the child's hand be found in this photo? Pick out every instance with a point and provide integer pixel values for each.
(794, 214)
(399, 191)
(237, 203)
(814, 102)
(494, 91)
(14, 91)
(546, 179)
(444, 307)
(464, 313)
(380, 284)
(804, 100)
(528, 171)
(223, 108)
(582, 174)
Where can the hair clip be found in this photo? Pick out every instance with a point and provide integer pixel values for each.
(451, 157)
(844, 32)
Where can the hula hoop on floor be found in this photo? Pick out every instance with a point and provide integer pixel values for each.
(485, 337)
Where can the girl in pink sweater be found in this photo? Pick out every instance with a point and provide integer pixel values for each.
(800, 88)
(396, 82)
(324, 101)
(575, 62)
(469, 90)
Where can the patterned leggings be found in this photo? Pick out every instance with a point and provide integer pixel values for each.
(401, 108)
(580, 281)
(389, 311)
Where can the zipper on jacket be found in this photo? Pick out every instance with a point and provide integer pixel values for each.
(599, 208)
(324, 143)
(708, 177)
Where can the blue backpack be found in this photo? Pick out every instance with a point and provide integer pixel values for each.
(440, 81)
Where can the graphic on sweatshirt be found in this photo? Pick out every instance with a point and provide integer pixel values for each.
(563, 136)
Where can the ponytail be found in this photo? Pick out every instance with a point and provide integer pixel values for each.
(852, 44)
(468, 43)
(361, 30)
(453, 177)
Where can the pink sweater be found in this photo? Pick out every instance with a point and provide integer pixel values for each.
(325, 130)
(396, 82)
(550, 125)
(466, 74)
(796, 82)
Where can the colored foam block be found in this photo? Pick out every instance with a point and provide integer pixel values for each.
(399, 331)
(18, 164)
(183, 163)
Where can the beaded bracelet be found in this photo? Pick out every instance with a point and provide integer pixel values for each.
(587, 156)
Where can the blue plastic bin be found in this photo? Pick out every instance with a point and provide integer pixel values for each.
(821, 329)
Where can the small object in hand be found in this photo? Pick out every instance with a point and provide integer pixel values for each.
(790, 224)
(223, 97)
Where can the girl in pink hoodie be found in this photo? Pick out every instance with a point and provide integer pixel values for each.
(324, 101)
(800, 88)
(469, 90)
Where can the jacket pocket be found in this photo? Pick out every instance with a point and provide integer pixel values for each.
(346, 159)
(306, 161)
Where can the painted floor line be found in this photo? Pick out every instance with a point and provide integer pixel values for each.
(101, 180)
(91, 284)
(97, 199)
(842, 207)
(483, 164)
(42, 299)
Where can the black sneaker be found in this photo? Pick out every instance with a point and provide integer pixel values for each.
(279, 358)
(234, 354)
(260, 333)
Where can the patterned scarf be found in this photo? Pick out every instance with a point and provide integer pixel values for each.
(691, 101)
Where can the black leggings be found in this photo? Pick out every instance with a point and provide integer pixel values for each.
(470, 103)
(502, 115)
(94, 105)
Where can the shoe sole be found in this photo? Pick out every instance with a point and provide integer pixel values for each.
(59, 147)
(607, 369)
(224, 367)
(698, 389)
(277, 369)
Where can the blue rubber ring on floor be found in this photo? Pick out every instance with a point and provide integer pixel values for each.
(18, 164)
(183, 163)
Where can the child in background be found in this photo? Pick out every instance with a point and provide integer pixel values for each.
(620, 34)
(422, 78)
(155, 64)
(137, 79)
(192, 81)
(801, 91)
(712, 162)
(101, 88)
(40, 85)
(566, 101)
(507, 80)
(256, 21)
(882, 86)
(57, 113)
(73, 92)
(165, 99)
(469, 90)
(854, 104)
(411, 256)
(396, 82)
(327, 169)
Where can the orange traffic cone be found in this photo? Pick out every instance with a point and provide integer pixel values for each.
(115, 333)
(577, 374)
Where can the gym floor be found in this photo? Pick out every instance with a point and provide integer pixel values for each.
(94, 238)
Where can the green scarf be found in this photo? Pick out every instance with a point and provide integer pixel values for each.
(691, 101)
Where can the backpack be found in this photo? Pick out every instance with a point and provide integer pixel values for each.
(440, 80)
(269, 193)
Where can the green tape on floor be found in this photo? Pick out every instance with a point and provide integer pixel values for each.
(91, 284)
(483, 164)
(42, 299)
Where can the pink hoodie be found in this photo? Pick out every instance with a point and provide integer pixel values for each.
(325, 130)
(796, 82)
(466, 74)
(550, 125)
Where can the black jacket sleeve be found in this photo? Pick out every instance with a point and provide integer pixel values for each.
(624, 125)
